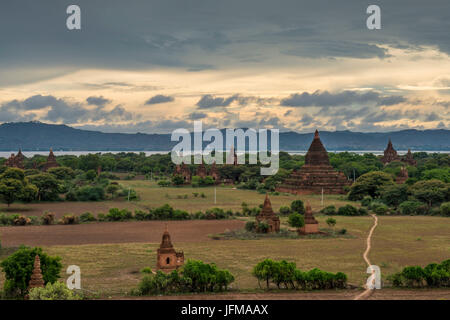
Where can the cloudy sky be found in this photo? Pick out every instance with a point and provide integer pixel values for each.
(153, 66)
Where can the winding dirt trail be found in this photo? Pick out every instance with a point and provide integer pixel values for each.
(368, 292)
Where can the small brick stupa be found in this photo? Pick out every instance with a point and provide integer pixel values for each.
(214, 173)
(183, 171)
(311, 224)
(36, 280)
(268, 216)
(201, 171)
(316, 174)
(167, 258)
(409, 159)
(51, 162)
(402, 176)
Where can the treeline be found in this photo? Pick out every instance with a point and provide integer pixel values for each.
(285, 274)
(433, 275)
(194, 276)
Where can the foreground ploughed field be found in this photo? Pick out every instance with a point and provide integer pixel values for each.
(383, 294)
(111, 265)
(114, 232)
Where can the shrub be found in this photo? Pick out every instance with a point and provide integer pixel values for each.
(298, 206)
(53, 291)
(101, 217)
(410, 207)
(331, 222)
(89, 193)
(87, 217)
(343, 231)
(379, 208)
(445, 209)
(263, 227)
(285, 210)
(48, 218)
(69, 219)
(164, 183)
(7, 220)
(363, 211)
(329, 210)
(250, 226)
(18, 268)
(116, 214)
(22, 221)
(366, 201)
(139, 215)
(348, 210)
(296, 220)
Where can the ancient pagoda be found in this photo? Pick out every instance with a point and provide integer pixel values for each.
(409, 159)
(316, 175)
(15, 161)
(214, 173)
(390, 154)
(268, 216)
(36, 280)
(51, 162)
(201, 171)
(167, 258)
(311, 224)
(183, 170)
(402, 176)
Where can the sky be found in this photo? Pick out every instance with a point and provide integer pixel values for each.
(155, 66)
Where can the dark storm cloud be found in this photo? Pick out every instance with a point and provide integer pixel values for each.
(197, 116)
(50, 108)
(198, 35)
(97, 101)
(327, 99)
(159, 99)
(210, 101)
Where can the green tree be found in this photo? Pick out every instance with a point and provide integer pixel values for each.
(296, 220)
(177, 180)
(47, 184)
(430, 191)
(18, 268)
(331, 222)
(393, 195)
(298, 206)
(62, 173)
(14, 186)
(370, 184)
(112, 189)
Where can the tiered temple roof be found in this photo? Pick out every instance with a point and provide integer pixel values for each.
(390, 154)
(268, 216)
(316, 175)
(409, 159)
(51, 161)
(15, 161)
(402, 176)
(36, 280)
(311, 224)
(201, 171)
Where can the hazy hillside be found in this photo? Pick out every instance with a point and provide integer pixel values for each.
(35, 136)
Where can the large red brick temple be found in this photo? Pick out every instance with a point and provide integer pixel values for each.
(51, 162)
(316, 175)
(167, 258)
(268, 216)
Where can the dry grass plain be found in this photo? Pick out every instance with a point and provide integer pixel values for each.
(112, 269)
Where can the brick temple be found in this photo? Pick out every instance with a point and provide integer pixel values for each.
(311, 224)
(15, 161)
(402, 176)
(167, 258)
(214, 173)
(184, 171)
(201, 171)
(316, 175)
(51, 162)
(390, 155)
(268, 216)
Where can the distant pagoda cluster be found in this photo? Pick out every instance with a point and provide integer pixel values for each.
(316, 175)
(16, 161)
(201, 171)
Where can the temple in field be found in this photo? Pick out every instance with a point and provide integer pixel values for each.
(184, 171)
(268, 216)
(316, 175)
(311, 224)
(167, 258)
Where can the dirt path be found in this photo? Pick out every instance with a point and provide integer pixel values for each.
(115, 232)
(368, 292)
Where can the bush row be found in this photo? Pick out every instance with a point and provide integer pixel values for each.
(286, 274)
(347, 210)
(194, 276)
(433, 275)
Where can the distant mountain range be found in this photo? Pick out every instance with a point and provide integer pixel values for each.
(37, 136)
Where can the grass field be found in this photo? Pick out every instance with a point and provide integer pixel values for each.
(113, 269)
